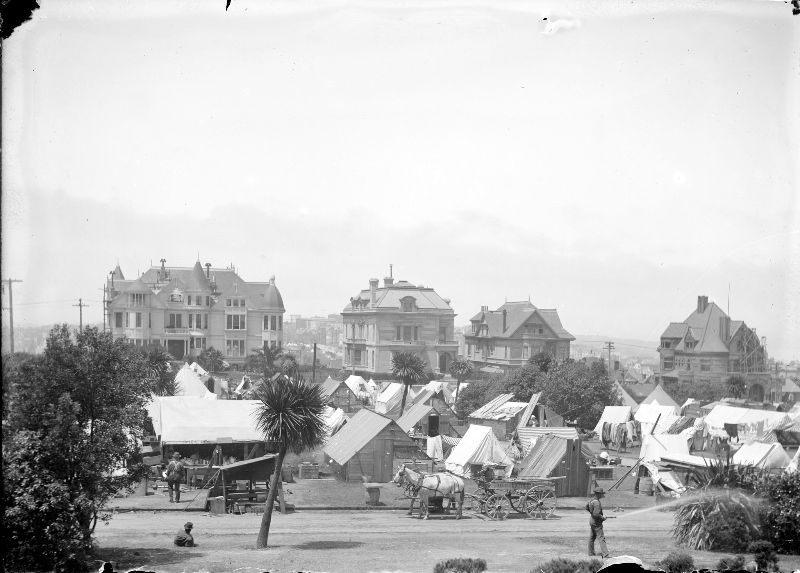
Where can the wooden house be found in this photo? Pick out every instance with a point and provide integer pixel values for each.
(338, 394)
(370, 447)
(430, 414)
(500, 414)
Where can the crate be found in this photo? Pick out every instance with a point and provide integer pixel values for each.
(308, 471)
(216, 505)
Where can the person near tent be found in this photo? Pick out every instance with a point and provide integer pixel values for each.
(596, 519)
(184, 538)
(176, 471)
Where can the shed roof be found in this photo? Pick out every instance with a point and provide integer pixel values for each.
(356, 434)
(544, 456)
(501, 408)
(529, 435)
(413, 415)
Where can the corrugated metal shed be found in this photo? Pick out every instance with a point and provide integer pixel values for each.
(328, 387)
(356, 434)
(544, 457)
(501, 408)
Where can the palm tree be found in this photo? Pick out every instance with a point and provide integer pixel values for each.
(159, 371)
(410, 368)
(264, 360)
(287, 365)
(460, 370)
(290, 414)
(211, 359)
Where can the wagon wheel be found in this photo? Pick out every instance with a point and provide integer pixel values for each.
(517, 500)
(498, 506)
(540, 503)
(474, 503)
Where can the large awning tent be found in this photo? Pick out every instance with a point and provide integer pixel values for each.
(654, 447)
(613, 415)
(189, 420)
(761, 456)
(479, 446)
(749, 422)
(189, 384)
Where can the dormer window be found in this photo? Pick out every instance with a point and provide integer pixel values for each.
(137, 299)
(176, 296)
(475, 324)
(408, 304)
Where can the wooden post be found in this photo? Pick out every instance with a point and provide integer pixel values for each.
(280, 495)
(224, 493)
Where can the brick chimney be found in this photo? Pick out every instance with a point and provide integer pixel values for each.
(702, 304)
(388, 281)
(725, 328)
(484, 309)
(373, 286)
(505, 313)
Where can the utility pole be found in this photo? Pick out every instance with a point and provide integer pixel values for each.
(80, 305)
(104, 308)
(11, 312)
(609, 346)
(314, 366)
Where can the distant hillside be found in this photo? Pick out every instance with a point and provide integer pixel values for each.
(624, 347)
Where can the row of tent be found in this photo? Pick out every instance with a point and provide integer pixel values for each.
(666, 434)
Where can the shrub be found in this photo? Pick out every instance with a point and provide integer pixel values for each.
(728, 530)
(562, 565)
(676, 562)
(736, 563)
(764, 554)
(460, 565)
(780, 517)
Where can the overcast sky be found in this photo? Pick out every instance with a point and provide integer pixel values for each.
(613, 161)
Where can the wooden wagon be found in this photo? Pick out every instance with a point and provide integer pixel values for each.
(534, 497)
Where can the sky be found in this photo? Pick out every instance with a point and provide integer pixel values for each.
(609, 159)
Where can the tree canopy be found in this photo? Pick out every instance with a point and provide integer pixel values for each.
(70, 443)
(409, 368)
(460, 369)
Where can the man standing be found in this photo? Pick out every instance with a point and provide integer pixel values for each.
(596, 520)
(175, 474)
(184, 538)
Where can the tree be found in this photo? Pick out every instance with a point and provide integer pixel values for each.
(576, 392)
(478, 393)
(460, 370)
(290, 413)
(70, 443)
(159, 371)
(410, 368)
(265, 360)
(525, 381)
(543, 360)
(736, 385)
(287, 365)
(211, 359)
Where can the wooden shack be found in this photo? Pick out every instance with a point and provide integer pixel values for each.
(556, 457)
(338, 394)
(502, 415)
(369, 448)
(431, 415)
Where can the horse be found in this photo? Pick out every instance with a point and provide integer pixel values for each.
(431, 486)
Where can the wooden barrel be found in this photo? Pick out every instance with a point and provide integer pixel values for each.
(646, 485)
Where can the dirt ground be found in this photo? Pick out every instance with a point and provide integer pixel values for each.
(374, 541)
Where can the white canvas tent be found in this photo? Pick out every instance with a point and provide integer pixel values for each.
(358, 386)
(794, 465)
(655, 418)
(761, 456)
(653, 447)
(189, 384)
(613, 415)
(660, 397)
(755, 421)
(478, 446)
(436, 386)
(334, 419)
(185, 420)
(198, 369)
(389, 401)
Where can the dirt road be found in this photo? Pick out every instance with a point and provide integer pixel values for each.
(370, 541)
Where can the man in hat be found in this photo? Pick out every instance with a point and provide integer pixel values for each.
(175, 474)
(184, 538)
(596, 519)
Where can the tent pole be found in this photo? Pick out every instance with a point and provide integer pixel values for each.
(626, 474)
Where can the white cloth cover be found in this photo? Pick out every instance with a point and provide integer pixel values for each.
(761, 456)
(182, 419)
(358, 386)
(334, 419)
(198, 369)
(722, 414)
(613, 415)
(434, 448)
(794, 465)
(189, 384)
(660, 397)
(478, 446)
(388, 402)
(650, 414)
(653, 447)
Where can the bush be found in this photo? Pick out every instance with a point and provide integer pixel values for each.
(562, 565)
(460, 565)
(764, 554)
(676, 562)
(728, 530)
(780, 517)
(736, 563)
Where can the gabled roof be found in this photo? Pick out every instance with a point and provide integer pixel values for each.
(660, 396)
(704, 328)
(118, 273)
(675, 330)
(356, 434)
(414, 414)
(625, 397)
(544, 456)
(328, 387)
(639, 392)
(518, 314)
